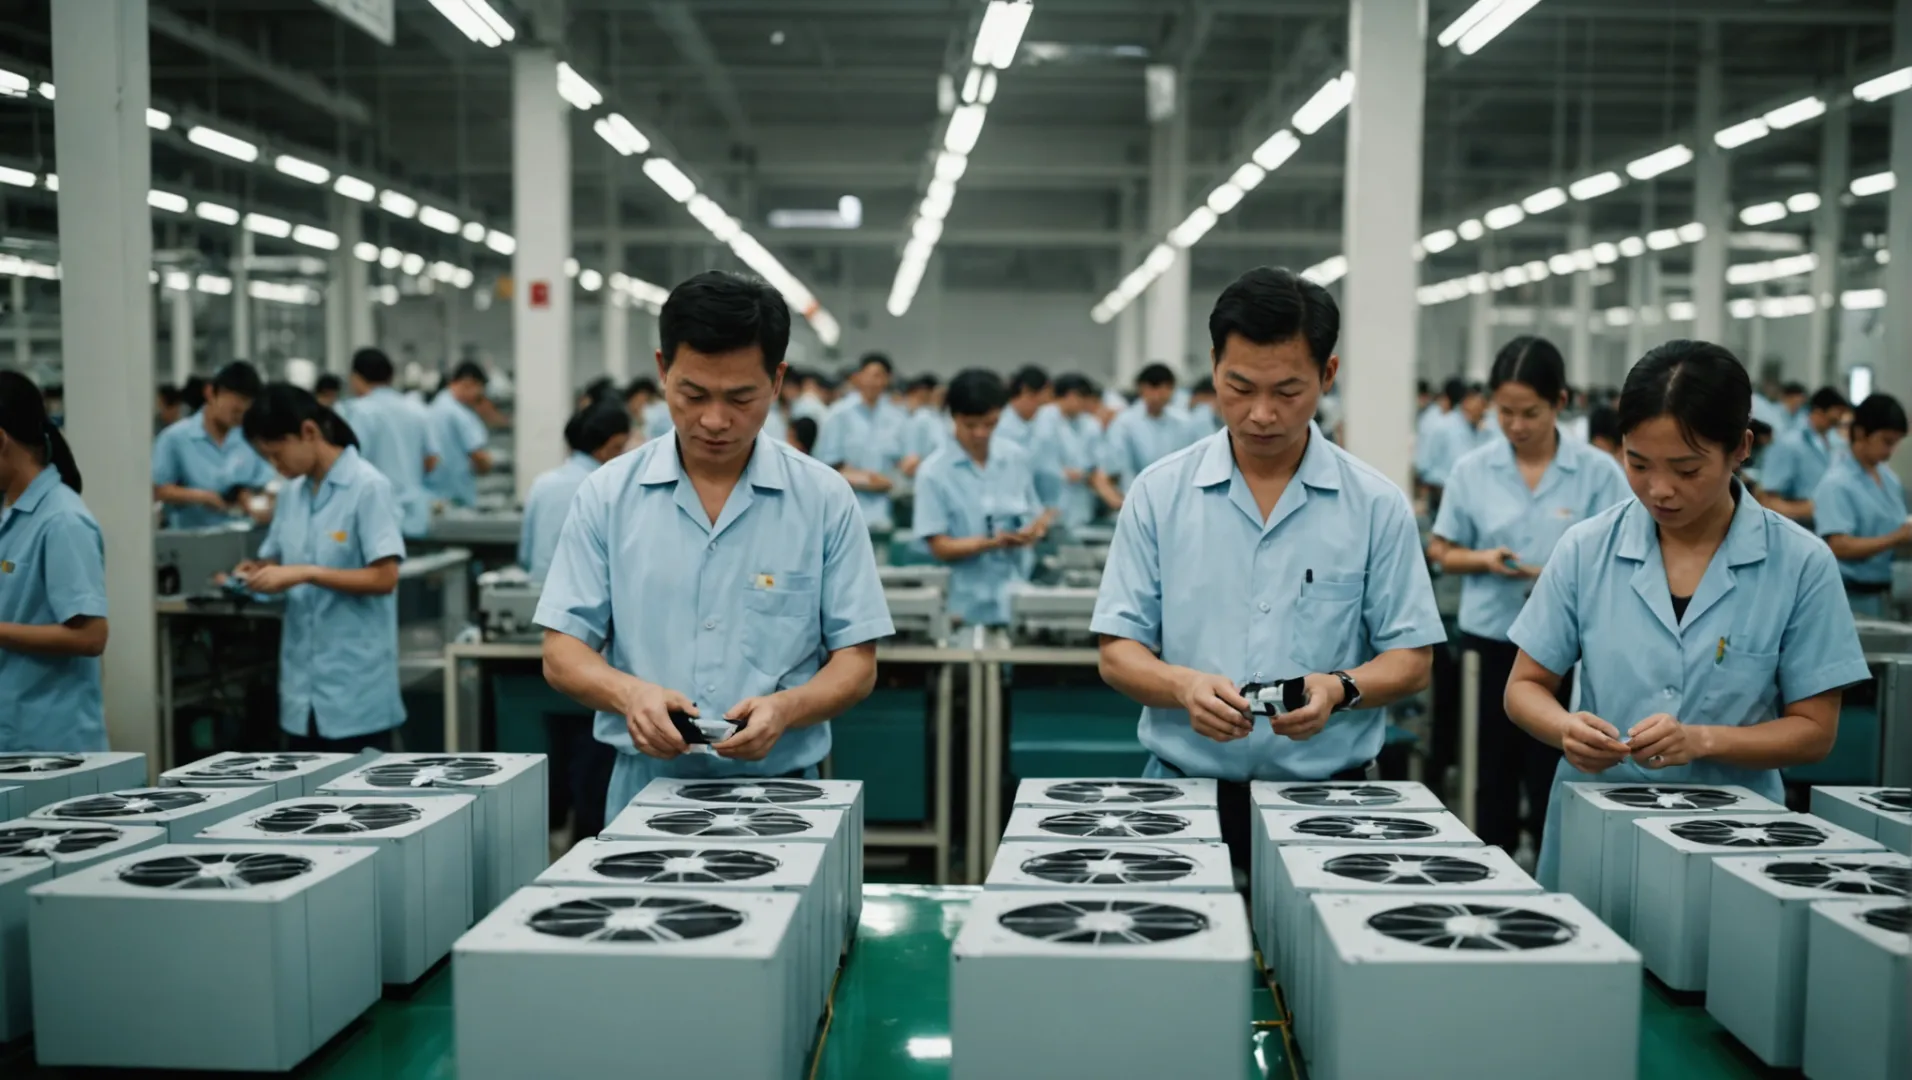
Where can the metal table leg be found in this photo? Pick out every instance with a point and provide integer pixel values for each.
(1470, 734)
(992, 762)
(945, 708)
(973, 833)
(451, 700)
(164, 758)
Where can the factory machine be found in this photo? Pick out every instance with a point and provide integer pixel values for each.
(507, 605)
(918, 598)
(186, 560)
(1055, 612)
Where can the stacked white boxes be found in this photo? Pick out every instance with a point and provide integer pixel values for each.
(1364, 796)
(1102, 824)
(1165, 794)
(16, 999)
(13, 802)
(1858, 980)
(1885, 814)
(182, 812)
(290, 775)
(67, 846)
(1095, 866)
(50, 777)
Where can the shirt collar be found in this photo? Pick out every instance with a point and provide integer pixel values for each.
(1566, 453)
(1745, 540)
(766, 468)
(584, 461)
(343, 470)
(36, 492)
(197, 428)
(1317, 468)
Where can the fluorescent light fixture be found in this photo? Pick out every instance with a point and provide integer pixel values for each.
(167, 201)
(213, 284)
(1491, 24)
(353, 188)
(979, 86)
(14, 84)
(671, 179)
(1762, 213)
(1662, 239)
(52, 181)
(1876, 184)
(1796, 113)
(462, 278)
(1803, 203)
(390, 257)
(412, 264)
(1000, 33)
(1436, 242)
(590, 280)
(1604, 253)
(1584, 259)
(280, 293)
(179, 281)
(219, 142)
(312, 236)
(571, 267)
(1276, 150)
(1862, 299)
(576, 89)
(1659, 161)
(1249, 176)
(1561, 264)
(1469, 19)
(1594, 186)
(46, 90)
(502, 243)
(1681, 311)
(365, 251)
(937, 200)
(712, 217)
(1742, 133)
(439, 220)
(301, 169)
(397, 203)
(1537, 270)
(442, 271)
(1691, 233)
(965, 127)
(386, 294)
(950, 166)
(1743, 308)
(473, 231)
(476, 20)
(926, 231)
(1540, 202)
(621, 134)
(159, 119)
(1225, 197)
(1327, 271)
(1884, 86)
(1193, 227)
(18, 177)
(1773, 270)
(1504, 217)
(212, 211)
(267, 225)
(1632, 247)
(1471, 229)
(1325, 105)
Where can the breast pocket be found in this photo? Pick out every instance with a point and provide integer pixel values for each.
(1739, 690)
(782, 621)
(1326, 633)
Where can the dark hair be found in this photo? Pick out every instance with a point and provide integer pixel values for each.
(1762, 431)
(597, 424)
(373, 366)
(1073, 383)
(327, 383)
(239, 378)
(717, 312)
(1533, 362)
(1604, 423)
(1155, 375)
(876, 358)
(1826, 398)
(469, 370)
(803, 432)
(1203, 385)
(1702, 386)
(599, 390)
(193, 393)
(1453, 390)
(1270, 305)
(1421, 386)
(919, 383)
(974, 392)
(1793, 388)
(53, 391)
(1879, 412)
(170, 395)
(23, 417)
(1028, 379)
(281, 409)
(640, 385)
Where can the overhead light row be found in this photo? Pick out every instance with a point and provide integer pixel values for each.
(1567, 262)
(1482, 23)
(478, 21)
(1322, 106)
(1768, 212)
(1875, 184)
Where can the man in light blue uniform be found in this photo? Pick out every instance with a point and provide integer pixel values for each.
(202, 467)
(1146, 431)
(1203, 420)
(925, 429)
(1859, 505)
(1427, 426)
(395, 437)
(460, 437)
(1465, 430)
(595, 436)
(1262, 553)
(862, 437)
(976, 504)
(1799, 457)
(717, 574)
(1028, 392)
(1077, 438)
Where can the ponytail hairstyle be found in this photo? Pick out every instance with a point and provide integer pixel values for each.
(23, 417)
(1535, 363)
(282, 409)
(595, 425)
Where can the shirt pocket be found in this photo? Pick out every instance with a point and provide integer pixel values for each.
(782, 621)
(1327, 619)
(1739, 690)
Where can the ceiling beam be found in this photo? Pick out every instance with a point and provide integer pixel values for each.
(1002, 239)
(298, 84)
(677, 22)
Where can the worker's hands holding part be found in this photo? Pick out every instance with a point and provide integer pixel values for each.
(1505, 562)
(270, 579)
(1591, 744)
(1216, 709)
(1660, 741)
(647, 716)
(767, 719)
(1324, 692)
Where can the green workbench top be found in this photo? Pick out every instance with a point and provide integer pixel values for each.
(892, 1015)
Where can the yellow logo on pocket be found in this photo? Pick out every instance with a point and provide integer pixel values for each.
(766, 581)
(338, 537)
(5, 567)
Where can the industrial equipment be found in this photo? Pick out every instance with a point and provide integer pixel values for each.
(288, 775)
(16, 1000)
(1385, 796)
(508, 605)
(919, 613)
(70, 846)
(1120, 866)
(1175, 793)
(1059, 612)
(1858, 980)
(182, 812)
(1114, 823)
(1885, 814)
(187, 560)
(43, 778)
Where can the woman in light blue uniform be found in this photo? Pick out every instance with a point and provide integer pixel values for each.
(595, 436)
(1712, 635)
(1505, 507)
(1859, 506)
(333, 552)
(52, 585)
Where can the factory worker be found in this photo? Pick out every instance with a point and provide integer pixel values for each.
(333, 553)
(1427, 426)
(639, 396)
(1029, 391)
(203, 470)
(327, 390)
(811, 398)
(1603, 432)
(1264, 552)
(1141, 434)
(1078, 437)
(460, 437)
(1859, 506)
(1798, 458)
(52, 585)
(862, 437)
(1465, 429)
(924, 428)
(718, 573)
(595, 436)
(1505, 507)
(1202, 418)
(395, 436)
(1711, 633)
(977, 507)
(169, 406)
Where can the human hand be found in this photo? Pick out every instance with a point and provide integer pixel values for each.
(647, 709)
(1659, 741)
(1324, 692)
(753, 742)
(1591, 744)
(1216, 709)
(1902, 535)
(211, 500)
(1073, 476)
(272, 580)
(1013, 538)
(1501, 561)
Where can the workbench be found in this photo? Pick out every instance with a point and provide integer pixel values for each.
(891, 1017)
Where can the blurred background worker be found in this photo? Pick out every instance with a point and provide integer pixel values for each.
(327, 389)
(1461, 431)
(924, 427)
(203, 469)
(395, 436)
(862, 438)
(1798, 458)
(1142, 434)
(169, 406)
(595, 436)
(1079, 444)
(1859, 505)
(1028, 392)
(459, 437)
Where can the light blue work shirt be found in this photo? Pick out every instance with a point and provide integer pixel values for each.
(458, 433)
(1135, 440)
(1044, 447)
(185, 455)
(1012, 428)
(545, 508)
(1772, 414)
(1796, 461)
(1334, 577)
(746, 607)
(926, 431)
(957, 498)
(1767, 626)
(809, 405)
(1849, 502)
(868, 437)
(1455, 438)
(657, 420)
(1203, 420)
(1426, 441)
(395, 437)
(1078, 443)
(338, 654)
(1487, 504)
(52, 570)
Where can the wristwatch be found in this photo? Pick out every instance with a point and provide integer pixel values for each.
(1350, 693)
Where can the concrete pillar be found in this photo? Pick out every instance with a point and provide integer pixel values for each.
(1165, 318)
(1128, 330)
(1580, 337)
(242, 296)
(1480, 325)
(347, 308)
(1755, 357)
(106, 249)
(1828, 223)
(1895, 373)
(1710, 196)
(616, 332)
(1381, 220)
(1637, 299)
(454, 332)
(22, 335)
(182, 336)
(541, 302)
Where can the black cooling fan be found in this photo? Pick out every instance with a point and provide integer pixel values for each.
(1898, 799)
(1837, 876)
(19, 764)
(1114, 824)
(156, 801)
(1110, 866)
(331, 819)
(1342, 795)
(430, 772)
(1366, 827)
(1104, 922)
(1112, 792)
(1732, 832)
(1897, 920)
(751, 792)
(743, 822)
(1473, 926)
(254, 765)
(227, 870)
(30, 841)
(704, 866)
(651, 919)
(1394, 868)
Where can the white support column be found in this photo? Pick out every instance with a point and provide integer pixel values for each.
(541, 301)
(616, 331)
(1480, 324)
(22, 334)
(1165, 311)
(1755, 358)
(1710, 186)
(1895, 375)
(1580, 338)
(345, 299)
(182, 336)
(1637, 298)
(106, 249)
(242, 297)
(454, 332)
(1381, 220)
(1828, 224)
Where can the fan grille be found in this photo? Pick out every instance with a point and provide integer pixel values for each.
(254, 765)
(703, 866)
(1397, 868)
(1729, 832)
(1112, 792)
(334, 819)
(1842, 876)
(16, 764)
(1671, 798)
(1104, 922)
(743, 822)
(1110, 866)
(128, 804)
(226, 870)
(1114, 824)
(429, 772)
(1366, 827)
(751, 792)
(1341, 795)
(1473, 927)
(1898, 800)
(1897, 920)
(631, 919)
(33, 841)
